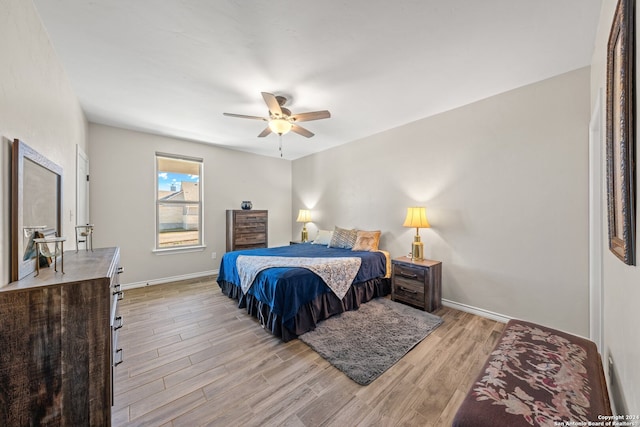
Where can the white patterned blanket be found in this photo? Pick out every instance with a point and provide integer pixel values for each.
(337, 273)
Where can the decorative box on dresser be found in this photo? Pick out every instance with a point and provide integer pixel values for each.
(247, 229)
(58, 342)
(418, 283)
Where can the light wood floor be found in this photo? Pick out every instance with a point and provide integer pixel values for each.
(193, 358)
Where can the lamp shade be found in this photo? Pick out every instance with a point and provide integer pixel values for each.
(280, 126)
(416, 218)
(304, 216)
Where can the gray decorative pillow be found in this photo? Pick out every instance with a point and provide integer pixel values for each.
(343, 238)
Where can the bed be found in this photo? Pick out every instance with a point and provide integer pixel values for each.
(289, 301)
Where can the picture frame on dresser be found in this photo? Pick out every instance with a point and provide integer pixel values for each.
(621, 134)
(36, 204)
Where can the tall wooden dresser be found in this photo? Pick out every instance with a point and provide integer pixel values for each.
(57, 342)
(247, 229)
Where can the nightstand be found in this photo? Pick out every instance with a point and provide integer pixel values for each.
(418, 283)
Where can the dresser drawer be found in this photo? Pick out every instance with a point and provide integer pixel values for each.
(116, 322)
(249, 218)
(117, 294)
(117, 351)
(250, 227)
(251, 239)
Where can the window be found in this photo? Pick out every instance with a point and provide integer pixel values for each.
(178, 202)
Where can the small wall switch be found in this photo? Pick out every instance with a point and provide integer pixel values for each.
(214, 255)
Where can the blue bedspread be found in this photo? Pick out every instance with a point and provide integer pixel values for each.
(286, 289)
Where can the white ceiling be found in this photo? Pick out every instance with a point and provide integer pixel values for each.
(172, 67)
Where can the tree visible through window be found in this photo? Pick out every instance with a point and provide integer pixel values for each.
(178, 201)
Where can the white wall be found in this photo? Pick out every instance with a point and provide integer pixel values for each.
(621, 282)
(123, 200)
(38, 106)
(504, 181)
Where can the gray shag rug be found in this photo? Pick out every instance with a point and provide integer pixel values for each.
(366, 342)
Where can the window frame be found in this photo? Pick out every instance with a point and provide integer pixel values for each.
(200, 246)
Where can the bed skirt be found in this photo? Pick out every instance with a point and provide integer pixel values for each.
(322, 307)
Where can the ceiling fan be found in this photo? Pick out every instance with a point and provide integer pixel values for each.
(281, 120)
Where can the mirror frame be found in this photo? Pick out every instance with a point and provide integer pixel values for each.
(20, 152)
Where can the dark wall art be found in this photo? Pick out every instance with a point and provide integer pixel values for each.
(621, 134)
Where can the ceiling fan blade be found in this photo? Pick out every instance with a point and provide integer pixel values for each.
(301, 131)
(265, 132)
(314, 115)
(272, 103)
(242, 116)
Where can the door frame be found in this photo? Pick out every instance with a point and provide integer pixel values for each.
(596, 238)
(81, 157)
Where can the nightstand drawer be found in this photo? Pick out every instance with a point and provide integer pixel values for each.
(409, 291)
(408, 272)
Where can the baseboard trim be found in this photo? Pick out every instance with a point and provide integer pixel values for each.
(477, 311)
(447, 303)
(162, 280)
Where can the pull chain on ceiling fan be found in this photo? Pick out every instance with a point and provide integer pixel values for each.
(280, 120)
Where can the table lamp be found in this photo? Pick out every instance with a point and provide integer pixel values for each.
(416, 217)
(304, 216)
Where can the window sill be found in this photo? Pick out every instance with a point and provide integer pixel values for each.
(170, 251)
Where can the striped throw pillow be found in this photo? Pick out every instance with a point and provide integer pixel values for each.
(343, 238)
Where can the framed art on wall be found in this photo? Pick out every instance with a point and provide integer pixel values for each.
(621, 133)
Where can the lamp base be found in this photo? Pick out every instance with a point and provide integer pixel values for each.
(417, 250)
(305, 235)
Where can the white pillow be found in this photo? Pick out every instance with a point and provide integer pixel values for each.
(323, 237)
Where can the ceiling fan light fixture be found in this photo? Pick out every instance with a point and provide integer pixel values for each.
(280, 120)
(280, 126)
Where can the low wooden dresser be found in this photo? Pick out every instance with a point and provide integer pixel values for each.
(58, 342)
(247, 229)
(418, 283)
